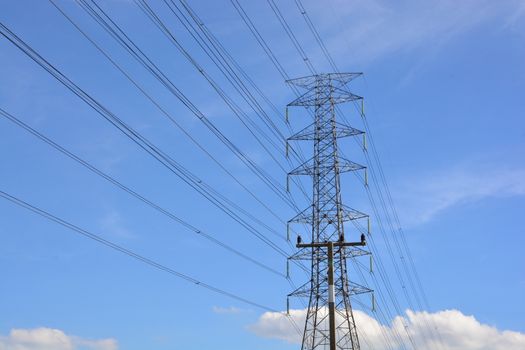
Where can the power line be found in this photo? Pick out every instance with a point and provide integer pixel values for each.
(216, 53)
(291, 35)
(219, 58)
(129, 252)
(133, 193)
(129, 45)
(433, 330)
(399, 246)
(215, 42)
(268, 51)
(320, 41)
(169, 116)
(93, 103)
(316, 35)
(222, 60)
(190, 179)
(325, 51)
(303, 56)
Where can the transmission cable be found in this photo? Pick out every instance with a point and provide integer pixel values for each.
(223, 67)
(319, 40)
(298, 47)
(168, 115)
(128, 252)
(229, 61)
(124, 41)
(190, 179)
(216, 43)
(222, 60)
(334, 66)
(132, 192)
(291, 35)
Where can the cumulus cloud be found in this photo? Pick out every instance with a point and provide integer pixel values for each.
(51, 339)
(278, 326)
(457, 331)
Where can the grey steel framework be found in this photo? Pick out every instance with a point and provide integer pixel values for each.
(327, 216)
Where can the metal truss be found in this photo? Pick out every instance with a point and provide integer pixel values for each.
(329, 287)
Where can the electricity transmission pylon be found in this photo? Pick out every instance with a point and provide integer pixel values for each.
(330, 321)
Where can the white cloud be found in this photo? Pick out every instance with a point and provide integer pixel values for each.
(458, 331)
(278, 326)
(51, 339)
(421, 200)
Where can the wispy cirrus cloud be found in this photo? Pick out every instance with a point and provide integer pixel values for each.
(113, 224)
(227, 310)
(517, 16)
(422, 199)
(458, 331)
(51, 339)
(377, 28)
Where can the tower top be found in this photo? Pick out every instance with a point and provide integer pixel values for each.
(334, 79)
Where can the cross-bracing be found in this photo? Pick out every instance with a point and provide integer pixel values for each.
(329, 320)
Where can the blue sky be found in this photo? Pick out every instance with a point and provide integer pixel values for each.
(443, 90)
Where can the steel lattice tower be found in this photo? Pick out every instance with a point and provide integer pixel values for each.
(329, 309)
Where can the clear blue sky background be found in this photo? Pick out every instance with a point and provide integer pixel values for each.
(444, 90)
